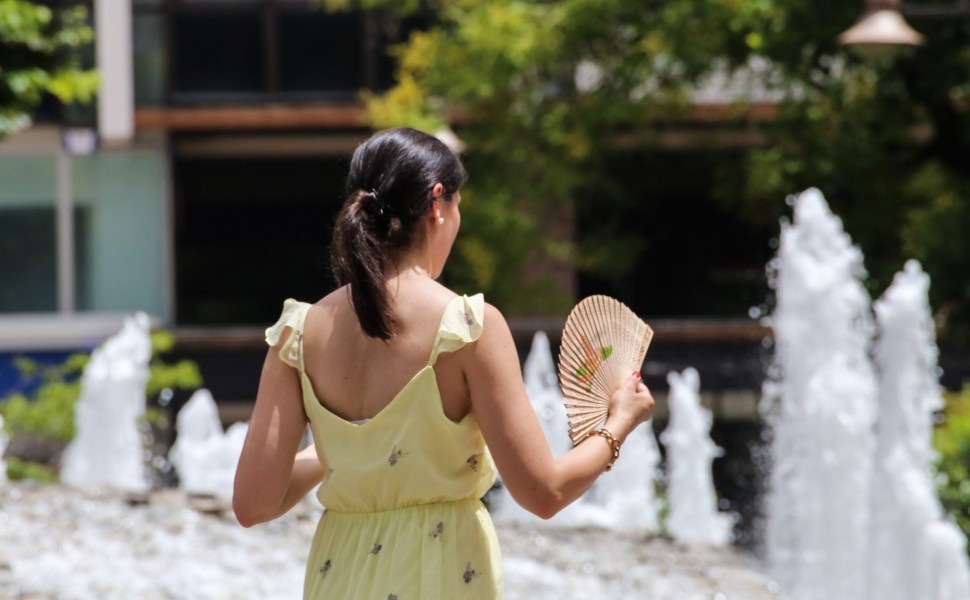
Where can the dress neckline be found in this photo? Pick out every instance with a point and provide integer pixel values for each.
(429, 367)
(315, 400)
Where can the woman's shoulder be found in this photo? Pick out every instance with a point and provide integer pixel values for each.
(423, 299)
(481, 310)
(490, 326)
(334, 304)
(440, 297)
(339, 296)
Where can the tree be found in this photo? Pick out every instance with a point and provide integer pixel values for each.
(39, 54)
(546, 93)
(538, 89)
(888, 143)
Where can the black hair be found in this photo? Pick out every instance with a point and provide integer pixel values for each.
(388, 192)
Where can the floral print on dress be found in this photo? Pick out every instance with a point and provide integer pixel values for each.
(392, 597)
(376, 548)
(472, 462)
(438, 530)
(325, 567)
(469, 573)
(396, 455)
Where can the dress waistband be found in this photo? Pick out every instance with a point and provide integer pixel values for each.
(443, 503)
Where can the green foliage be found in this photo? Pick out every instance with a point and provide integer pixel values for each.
(19, 470)
(936, 233)
(543, 93)
(183, 375)
(952, 442)
(889, 145)
(506, 71)
(39, 53)
(49, 410)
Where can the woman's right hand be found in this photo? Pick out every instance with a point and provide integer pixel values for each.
(630, 405)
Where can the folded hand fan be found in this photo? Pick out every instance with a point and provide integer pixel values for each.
(603, 342)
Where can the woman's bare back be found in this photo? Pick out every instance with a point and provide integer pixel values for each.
(355, 376)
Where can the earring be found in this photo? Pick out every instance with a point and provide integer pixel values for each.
(441, 220)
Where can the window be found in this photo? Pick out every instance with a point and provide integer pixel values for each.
(28, 242)
(219, 50)
(320, 51)
(82, 233)
(246, 51)
(119, 229)
(148, 33)
(252, 231)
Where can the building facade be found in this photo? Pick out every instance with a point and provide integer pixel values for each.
(221, 124)
(200, 187)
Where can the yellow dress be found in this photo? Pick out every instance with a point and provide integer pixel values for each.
(403, 518)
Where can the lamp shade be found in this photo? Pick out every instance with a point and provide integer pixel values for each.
(880, 32)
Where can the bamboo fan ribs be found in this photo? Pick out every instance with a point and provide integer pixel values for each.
(603, 342)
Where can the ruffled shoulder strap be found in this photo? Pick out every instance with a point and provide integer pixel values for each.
(461, 324)
(294, 314)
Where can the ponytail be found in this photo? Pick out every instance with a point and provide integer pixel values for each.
(388, 191)
(358, 260)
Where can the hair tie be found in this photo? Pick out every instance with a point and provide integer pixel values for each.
(377, 200)
(381, 206)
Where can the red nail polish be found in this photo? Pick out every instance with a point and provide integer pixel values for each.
(636, 374)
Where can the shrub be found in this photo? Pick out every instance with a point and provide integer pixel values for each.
(48, 410)
(44, 401)
(18, 470)
(952, 442)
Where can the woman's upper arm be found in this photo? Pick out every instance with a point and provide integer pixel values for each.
(275, 431)
(505, 415)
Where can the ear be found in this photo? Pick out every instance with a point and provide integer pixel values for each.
(437, 194)
(434, 212)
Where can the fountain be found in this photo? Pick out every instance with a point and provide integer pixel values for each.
(542, 386)
(108, 448)
(693, 516)
(204, 457)
(820, 404)
(852, 511)
(915, 552)
(625, 498)
(622, 499)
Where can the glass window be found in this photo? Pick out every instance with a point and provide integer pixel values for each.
(218, 51)
(28, 246)
(320, 52)
(251, 232)
(118, 231)
(149, 58)
(205, 51)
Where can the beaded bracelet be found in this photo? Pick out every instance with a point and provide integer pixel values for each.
(614, 444)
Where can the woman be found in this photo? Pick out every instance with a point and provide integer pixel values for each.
(403, 383)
